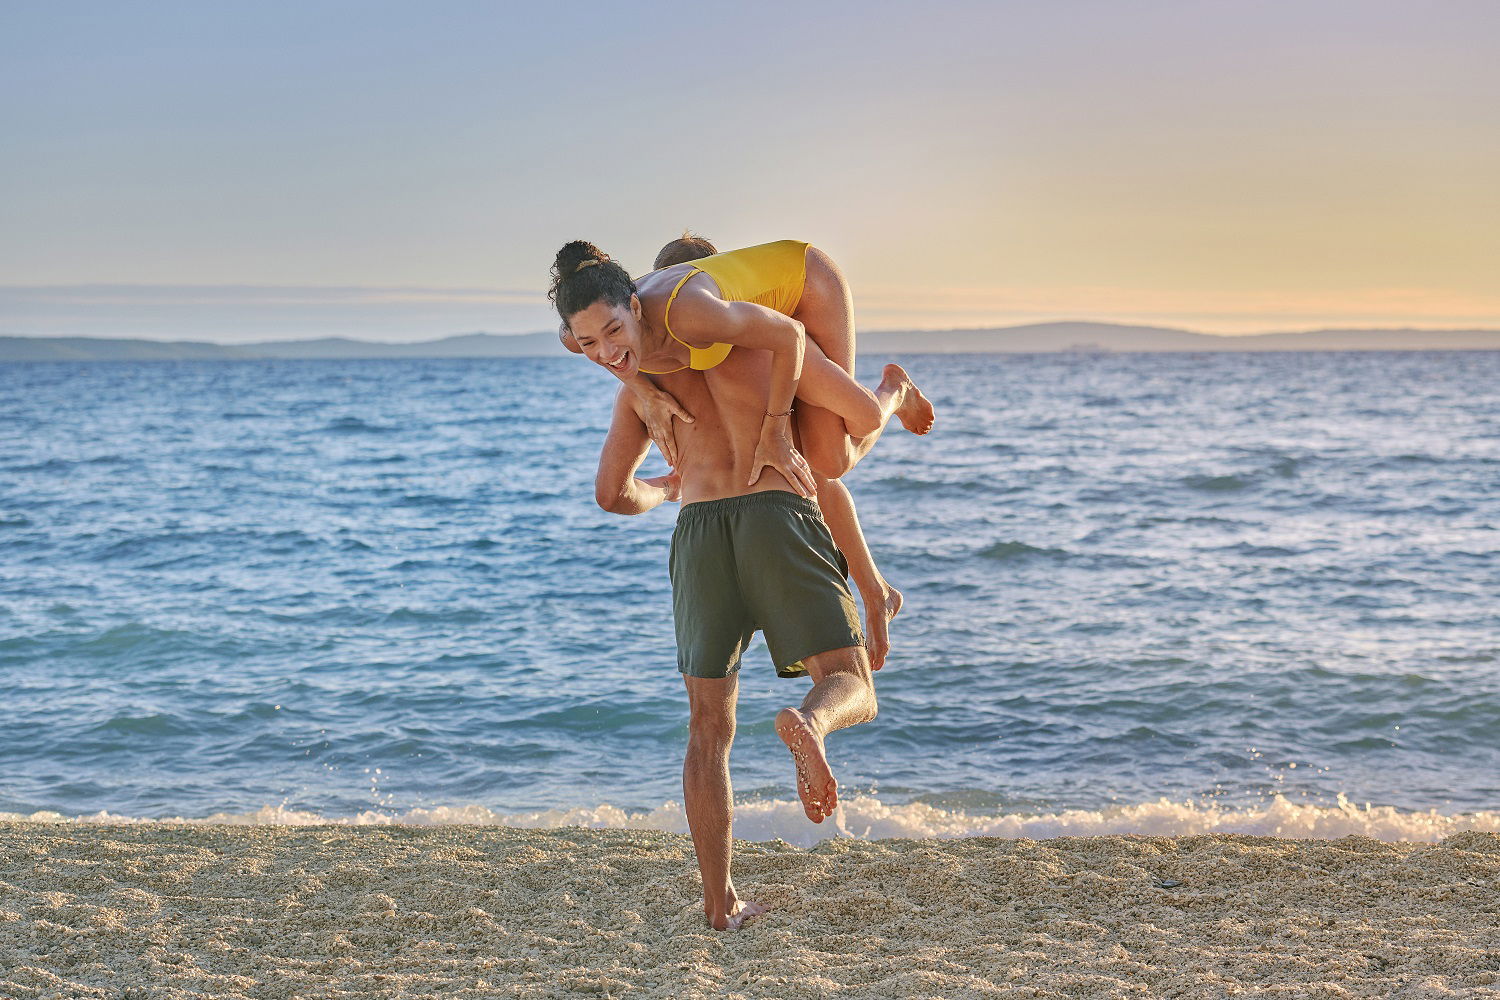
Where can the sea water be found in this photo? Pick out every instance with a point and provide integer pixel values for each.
(1154, 593)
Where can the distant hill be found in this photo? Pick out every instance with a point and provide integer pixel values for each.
(1032, 338)
(466, 345)
(1106, 337)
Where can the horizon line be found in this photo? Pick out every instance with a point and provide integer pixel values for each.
(1302, 331)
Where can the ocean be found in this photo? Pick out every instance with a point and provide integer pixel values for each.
(1149, 593)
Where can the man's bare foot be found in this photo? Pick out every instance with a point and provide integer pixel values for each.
(815, 782)
(914, 411)
(877, 626)
(741, 911)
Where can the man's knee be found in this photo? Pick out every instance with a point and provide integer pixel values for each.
(711, 710)
(711, 728)
(852, 661)
(712, 725)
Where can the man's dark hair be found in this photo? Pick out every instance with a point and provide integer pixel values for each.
(688, 246)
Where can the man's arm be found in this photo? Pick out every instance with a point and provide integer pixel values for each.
(616, 487)
(658, 405)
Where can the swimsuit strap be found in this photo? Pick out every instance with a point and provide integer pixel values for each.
(667, 312)
(668, 323)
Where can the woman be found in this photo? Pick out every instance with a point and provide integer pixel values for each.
(788, 298)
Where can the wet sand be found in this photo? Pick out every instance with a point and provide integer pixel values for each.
(175, 910)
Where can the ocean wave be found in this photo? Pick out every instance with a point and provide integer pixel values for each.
(1260, 551)
(908, 484)
(376, 460)
(354, 425)
(865, 817)
(429, 500)
(1021, 552)
(441, 616)
(134, 637)
(1216, 484)
(1193, 520)
(47, 465)
(1008, 551)
(157, 724)
(165, 545)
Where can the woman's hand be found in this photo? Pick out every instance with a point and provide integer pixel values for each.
(658, 409)
(775, 450)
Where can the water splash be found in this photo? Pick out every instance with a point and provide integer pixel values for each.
(865, 817)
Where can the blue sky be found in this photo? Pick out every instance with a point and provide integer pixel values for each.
(236, 172)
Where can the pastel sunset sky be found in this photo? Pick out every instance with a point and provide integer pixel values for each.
(402, 171)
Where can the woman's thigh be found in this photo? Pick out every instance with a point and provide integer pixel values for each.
(827, 309)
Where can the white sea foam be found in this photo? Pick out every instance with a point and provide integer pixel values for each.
(866, 817)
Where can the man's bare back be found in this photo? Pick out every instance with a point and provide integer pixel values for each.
(728, 403)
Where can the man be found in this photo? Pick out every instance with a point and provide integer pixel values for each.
(744, 557)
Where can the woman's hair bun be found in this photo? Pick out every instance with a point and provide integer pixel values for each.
(576, 285)
(572, 255)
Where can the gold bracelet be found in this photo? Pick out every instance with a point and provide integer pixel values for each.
(788, 413)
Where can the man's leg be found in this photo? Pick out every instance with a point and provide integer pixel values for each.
(709, 798)
(842, 695)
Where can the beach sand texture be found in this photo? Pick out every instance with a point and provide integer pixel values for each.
(177, 910)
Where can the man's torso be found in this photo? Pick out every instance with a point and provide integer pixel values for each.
(728, 404)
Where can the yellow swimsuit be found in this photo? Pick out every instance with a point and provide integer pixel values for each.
(771, 275)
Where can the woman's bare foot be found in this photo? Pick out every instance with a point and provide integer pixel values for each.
(877, 626)
(914, 411)
(815, 782)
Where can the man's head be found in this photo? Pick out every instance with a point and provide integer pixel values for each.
(688, 246)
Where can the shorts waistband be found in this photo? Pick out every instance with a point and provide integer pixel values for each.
(767, 498)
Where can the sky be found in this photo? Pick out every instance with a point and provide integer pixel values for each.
(236, 172)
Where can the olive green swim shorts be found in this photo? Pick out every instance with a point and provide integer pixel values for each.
(760, 561)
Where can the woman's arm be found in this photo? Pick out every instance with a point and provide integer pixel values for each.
(704, 318)
(616, 488)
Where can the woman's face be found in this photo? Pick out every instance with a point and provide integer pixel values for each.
(610, 335)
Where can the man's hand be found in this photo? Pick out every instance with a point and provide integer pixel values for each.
(775, 450)
(671, 483)
(657, 410)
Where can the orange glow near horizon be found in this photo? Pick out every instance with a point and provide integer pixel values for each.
(1226, 168)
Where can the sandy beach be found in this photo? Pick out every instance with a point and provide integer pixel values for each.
(177, 910)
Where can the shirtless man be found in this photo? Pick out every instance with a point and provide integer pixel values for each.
(743, 558)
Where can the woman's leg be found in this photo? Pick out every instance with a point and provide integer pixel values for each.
(841, 419)
(832, 448)
(827, 311)
(881, 600)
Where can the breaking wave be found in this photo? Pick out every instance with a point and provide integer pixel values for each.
(865, 817)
